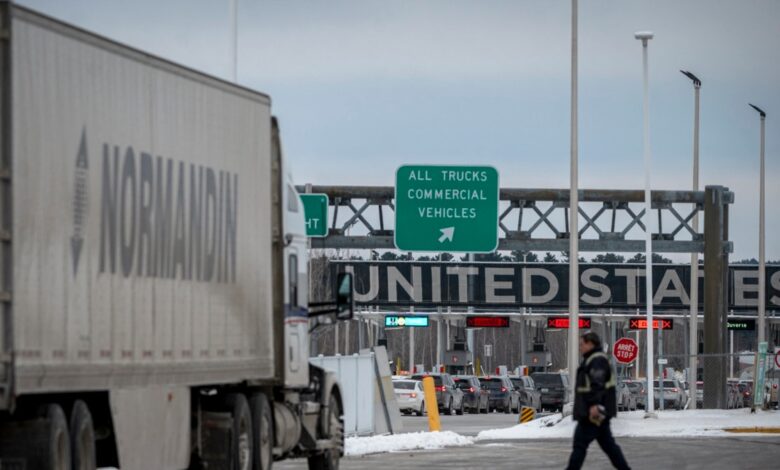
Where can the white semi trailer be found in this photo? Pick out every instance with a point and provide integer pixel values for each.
(153, 266)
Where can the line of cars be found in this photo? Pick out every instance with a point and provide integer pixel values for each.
(461, 393)
(676, 394)
(632, 394)
(548, 391)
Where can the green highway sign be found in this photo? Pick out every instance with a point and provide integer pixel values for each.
(446, 208)
(315, 209)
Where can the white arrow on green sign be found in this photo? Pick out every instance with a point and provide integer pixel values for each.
(315, 209)
(446, 208)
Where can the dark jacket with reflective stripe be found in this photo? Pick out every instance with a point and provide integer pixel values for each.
(595, 386)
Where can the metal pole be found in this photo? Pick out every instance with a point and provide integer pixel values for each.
(439, 352)
(644, 37)
(715, 296)
(636, 362)
(523, 340)
(470, 332)
(411, 351)
(731, 353)
(660, 367)
(411, 345)
(761, 252)
(574, 269)
(693, 321)
(524, 330)
(761, 241)
(447, 324)
(612, 335)
(234, 39)
(361, 342)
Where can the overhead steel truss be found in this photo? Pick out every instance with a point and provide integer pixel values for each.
(611, 219)
(623, 232)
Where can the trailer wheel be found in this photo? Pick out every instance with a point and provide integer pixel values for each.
(329, 459)
(82, 437)
(241, 441)
(57, 448)
(262, 426)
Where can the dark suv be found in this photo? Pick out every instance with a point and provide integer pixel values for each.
(448, 395)
(554, 388)
(503, 395)
(475, 398)
(529, 395)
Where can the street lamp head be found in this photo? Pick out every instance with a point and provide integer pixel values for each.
(694, 78)
(760, 111)
(643, 35)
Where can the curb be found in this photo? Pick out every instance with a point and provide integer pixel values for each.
(757, 429)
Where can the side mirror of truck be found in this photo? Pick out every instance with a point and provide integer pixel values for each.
(344, 300)
(341, 305)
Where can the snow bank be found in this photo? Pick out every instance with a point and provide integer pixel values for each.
(685, 423)
(403, 442)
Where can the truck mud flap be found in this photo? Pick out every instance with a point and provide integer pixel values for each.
(21, 444)
(216, 440)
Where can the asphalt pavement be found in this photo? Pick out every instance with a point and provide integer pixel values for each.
(739, 452)
(711, 453)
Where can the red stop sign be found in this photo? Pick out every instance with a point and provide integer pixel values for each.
(625, 350)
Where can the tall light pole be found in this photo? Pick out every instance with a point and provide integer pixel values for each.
(693, 326)
(645, 36)
(574, 268)
(233, 40)
(761, 253)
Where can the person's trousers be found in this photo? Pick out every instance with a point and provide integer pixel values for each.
(585, 433)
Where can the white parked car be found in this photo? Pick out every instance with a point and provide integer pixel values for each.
(410, 397)
(673, 394)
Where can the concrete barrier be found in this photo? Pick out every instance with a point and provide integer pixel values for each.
(367, 391)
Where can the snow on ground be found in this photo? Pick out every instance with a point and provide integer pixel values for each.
(633, 424)
(404, 442)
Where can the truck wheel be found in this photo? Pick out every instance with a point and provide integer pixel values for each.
(241, 442)
(329, 459)
(263, 431)
(57, 451)
(82, 437)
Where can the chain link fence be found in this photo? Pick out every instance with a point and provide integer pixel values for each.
(722, 381)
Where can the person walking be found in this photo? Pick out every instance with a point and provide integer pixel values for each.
(595, 403)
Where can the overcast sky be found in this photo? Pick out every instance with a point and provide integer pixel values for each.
(364, 86)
